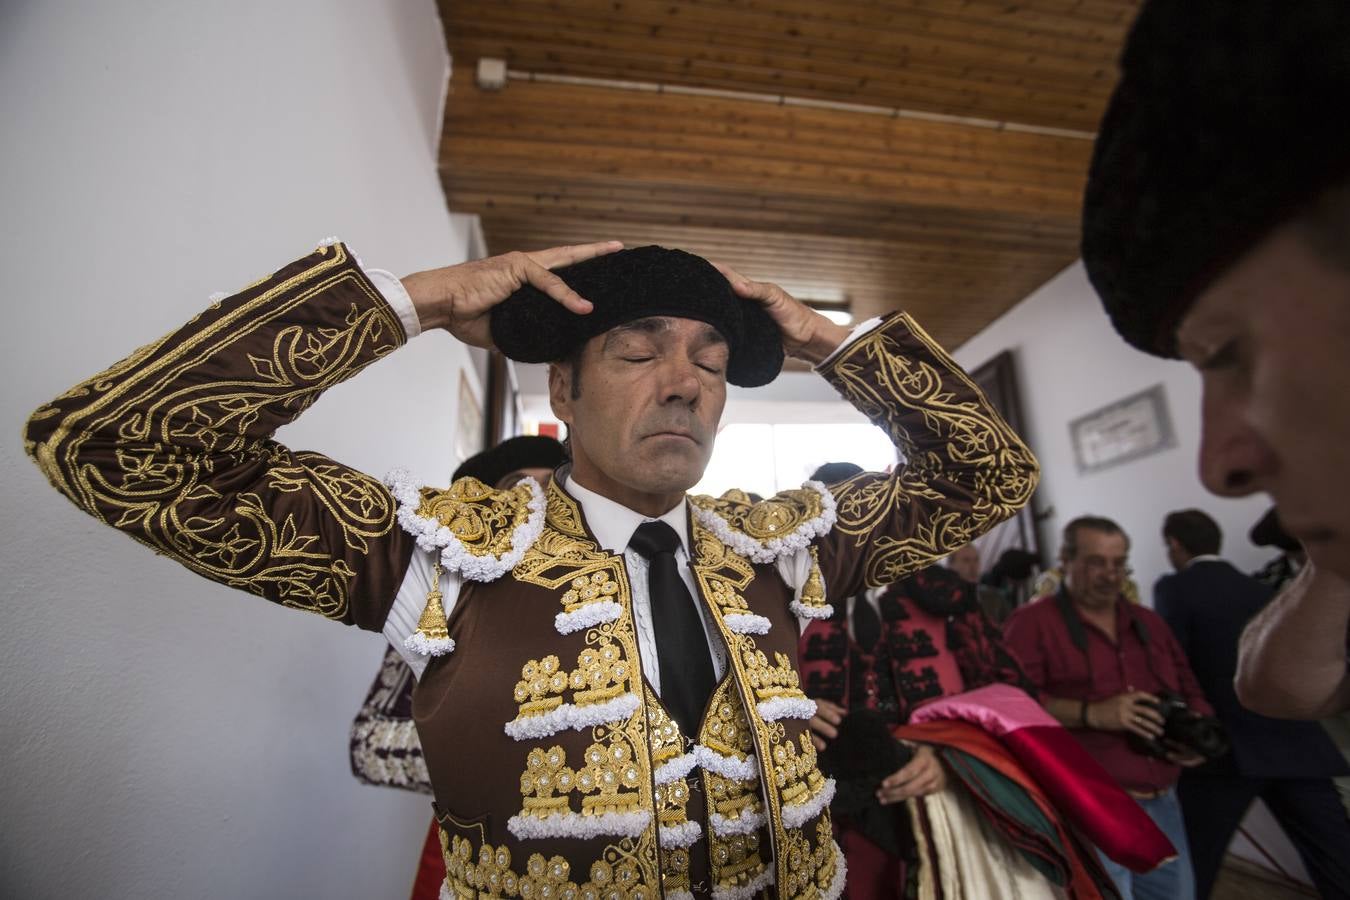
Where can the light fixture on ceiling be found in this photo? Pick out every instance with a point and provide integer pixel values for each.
(839, 311)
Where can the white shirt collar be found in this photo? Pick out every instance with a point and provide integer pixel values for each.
(613, 523)
(1204, 557)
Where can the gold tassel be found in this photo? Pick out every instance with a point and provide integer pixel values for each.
(813, 600)
(432, 638)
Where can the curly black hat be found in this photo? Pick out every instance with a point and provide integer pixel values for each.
(524, 452)
(530, 326)
(1229, 116)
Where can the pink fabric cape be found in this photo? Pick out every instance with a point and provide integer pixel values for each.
(1074, 782)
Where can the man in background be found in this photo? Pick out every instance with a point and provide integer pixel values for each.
(1216, 228)
(1101, 664)
(966, 563)
(1207, 602)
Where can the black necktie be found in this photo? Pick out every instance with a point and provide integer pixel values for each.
(681, 643)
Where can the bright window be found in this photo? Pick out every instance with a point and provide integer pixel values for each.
(765, 459)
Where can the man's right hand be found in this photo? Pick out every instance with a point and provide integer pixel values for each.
(825, 723)
(459, 298)
(1133, 711)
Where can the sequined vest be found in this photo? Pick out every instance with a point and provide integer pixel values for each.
(558, 773)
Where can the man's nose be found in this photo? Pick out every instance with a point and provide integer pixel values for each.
(680, 381)
(1235, 460)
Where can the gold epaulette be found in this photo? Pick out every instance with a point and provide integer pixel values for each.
(481, 532)
(766, 530)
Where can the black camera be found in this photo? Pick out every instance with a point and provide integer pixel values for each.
(1184, 727)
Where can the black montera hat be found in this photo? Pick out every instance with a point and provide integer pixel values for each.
(1229, 116)
(530, 326)
(523, 452)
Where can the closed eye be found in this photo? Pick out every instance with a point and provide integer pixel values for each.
(1225, 357)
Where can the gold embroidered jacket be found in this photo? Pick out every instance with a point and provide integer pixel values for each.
(555, 768)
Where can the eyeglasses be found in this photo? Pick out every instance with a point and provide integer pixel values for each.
(1097, 564)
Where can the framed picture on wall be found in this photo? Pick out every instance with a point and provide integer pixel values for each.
(998, 379)
(1136, 426)
(469, 423)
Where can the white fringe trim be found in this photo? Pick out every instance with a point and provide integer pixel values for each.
(745, 823)
(679, 895)
(824, 611)
(786, 708)
(594, 613)
(727, 766)
(767, 551)
(684, 834)
(419, 643)
(840, 875)
(747, 890)
(796, 815)
(571, 716)
(431, 534)
(575, 825)
(445, 893)
(678, 767)
(747, 623)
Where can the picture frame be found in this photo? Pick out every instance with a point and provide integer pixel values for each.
(1123, 431)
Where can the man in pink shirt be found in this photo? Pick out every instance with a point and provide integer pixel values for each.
(1102, 665)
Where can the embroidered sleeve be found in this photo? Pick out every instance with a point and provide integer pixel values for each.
(173, 446)
(966, 470)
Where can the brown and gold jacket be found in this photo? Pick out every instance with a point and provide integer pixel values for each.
(557, 772)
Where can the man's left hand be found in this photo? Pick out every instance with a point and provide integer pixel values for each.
(806, 333)
(920, 776)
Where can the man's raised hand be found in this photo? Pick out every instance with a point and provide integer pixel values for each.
(459, 298)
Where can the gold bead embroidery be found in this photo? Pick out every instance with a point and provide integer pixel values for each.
(588, 589)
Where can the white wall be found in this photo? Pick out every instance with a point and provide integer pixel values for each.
(161, 736)
(1070, 362)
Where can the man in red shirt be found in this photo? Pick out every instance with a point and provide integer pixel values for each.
(1101, 664)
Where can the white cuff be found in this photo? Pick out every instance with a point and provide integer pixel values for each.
(396, 295)
(857, 332)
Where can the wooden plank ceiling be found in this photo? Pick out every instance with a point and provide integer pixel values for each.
(954, 206)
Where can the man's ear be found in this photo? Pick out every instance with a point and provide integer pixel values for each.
(560, 391)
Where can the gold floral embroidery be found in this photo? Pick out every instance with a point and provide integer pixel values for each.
(174, 441)
(764, 520)
(597, 587)
(482, 518)
(602, 673)
(795, 774)
(616, 774)
(737, 861)
(608, 781)
(970, 473)
(489, 873)
(810, 870)
(778, 680)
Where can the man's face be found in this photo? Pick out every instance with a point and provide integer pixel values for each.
(643, 424)
(966, 562)
(1176, 554)
(1271, 339)
(1097, 572)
